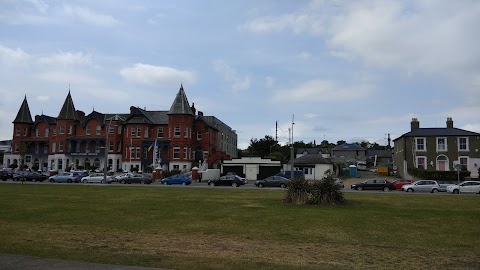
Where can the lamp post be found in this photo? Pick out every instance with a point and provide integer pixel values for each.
(107, 148)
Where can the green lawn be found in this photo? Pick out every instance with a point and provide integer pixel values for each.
(184, 228)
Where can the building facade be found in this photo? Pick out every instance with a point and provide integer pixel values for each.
(437, 149)
(176, 139)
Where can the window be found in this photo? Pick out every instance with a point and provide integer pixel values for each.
(185, 152)
(37, 132)
(54, 146)
(145, 151)
(132, 132)
(70, 130)
(119, 130)
(110, 146)
(422, 163)
(17, 132)
(87, 131)
(54, 131)
(62, 129)
(185, 132)
(139, 130)
(98, 129)
(420, 144)
(47, 132)
(119, 146)
(132, 154)
(463, 163)
(137, 152)
(25, 132)
(60, 164)
(17, 147)
(146, 133)
(463, 144)
(176, 167)
(160, 132)
(111, 130)
(45, 149)
(60, 146)
(176, 152)
(441, 144)
(199, 135)
(176, 132)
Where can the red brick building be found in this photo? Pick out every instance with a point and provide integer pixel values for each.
(179, 138)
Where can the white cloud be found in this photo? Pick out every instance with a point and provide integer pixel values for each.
(24, 12)
(297, 22)
(323, 90)
(13, 57)
(239, 82)
(67, 59)
(67, 77)
(149, 74)
(472, 127)
(269, 82)
(304, 55)
(43, 98)
(90, 17)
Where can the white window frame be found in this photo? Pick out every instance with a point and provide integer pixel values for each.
(47, 132)
(146, 133)
(54, 147)
(185, 132)
(70, 130)
(466, 144)
(199, 135)
(139, 131)
(464, 157)
(176, 152)
(60, 146)
(425, 163)
(37, 132)
(424, 144)
(62, 129)
(185, 152)
(445, 144)
(87, 130)
(98, 130)
(176, 132)
(17, 132)
(160, 132)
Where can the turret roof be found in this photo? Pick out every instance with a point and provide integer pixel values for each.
(23, 115)
(180, 104)
(68, 110)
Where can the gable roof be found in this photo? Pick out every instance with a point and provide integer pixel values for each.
(49, 120)
(310, 159)
(23, 115)
(312, 150)
(180, 104)
(68, 109)
(348, 147)
(140, 116)
(435, 132)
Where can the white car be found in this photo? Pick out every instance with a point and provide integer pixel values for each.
(96, 178)
(465, 187)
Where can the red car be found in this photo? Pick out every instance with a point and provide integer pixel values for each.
(401, 182)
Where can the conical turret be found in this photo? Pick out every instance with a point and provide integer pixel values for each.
(68, 110)
(24, 115)
(180, 104)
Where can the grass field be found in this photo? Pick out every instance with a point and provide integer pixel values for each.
(185, 228)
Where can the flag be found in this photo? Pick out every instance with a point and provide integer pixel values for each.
(154, 144)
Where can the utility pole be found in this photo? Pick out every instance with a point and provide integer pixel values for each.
(292, 152)
(276, 131)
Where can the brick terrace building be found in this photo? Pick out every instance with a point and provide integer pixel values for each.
(73, 139)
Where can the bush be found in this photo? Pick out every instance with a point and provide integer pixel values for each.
(148, 169)
(438, 175)
(324, 192)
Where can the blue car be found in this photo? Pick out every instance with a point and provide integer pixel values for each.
(177, 179)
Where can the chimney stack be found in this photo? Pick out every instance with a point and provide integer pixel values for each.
(449, 122)
(414, 125)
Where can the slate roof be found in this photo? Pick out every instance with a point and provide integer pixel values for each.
(180, 104)
(68, 110)
(312, 150)
(23, 115)
(378, 153)
(310, 159)
(348, 147)
(100, 117)
(49, 120)
(141, 116)
(435, 132)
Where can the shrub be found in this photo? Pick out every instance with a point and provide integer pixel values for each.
(298, 191)
(438, 175)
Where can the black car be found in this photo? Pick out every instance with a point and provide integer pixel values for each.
(136, 178)
(374, 184)
(29, 176)
(5, 175)
(227, 180)
(273, 181)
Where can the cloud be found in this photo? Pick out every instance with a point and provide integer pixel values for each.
(66, 77)
(43, 98)
(239, 82)
(323, 90)
(152, 75)
(90, 17)
(13, 56)
(24, 12)
(304, 56)
(299, 22)
(67, 59)
(269, 82)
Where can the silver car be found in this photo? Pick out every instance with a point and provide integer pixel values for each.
(465, 187)
(96, 178)
(422, 186)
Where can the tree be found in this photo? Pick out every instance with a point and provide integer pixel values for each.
(262, 148)
(341, 142)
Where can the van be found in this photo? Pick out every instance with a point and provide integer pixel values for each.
(361, 165)
(296, 174)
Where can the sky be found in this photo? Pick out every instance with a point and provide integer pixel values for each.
(334, 70)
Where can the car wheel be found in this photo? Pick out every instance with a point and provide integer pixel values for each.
(260, 185)
(409, 190)
(359, 188)
(69, 181)
(434, 190)
(103, 181)
(212, 184)
(84, 181)
(456, 191)
(123, 182)
(142, 182)
(184, 184)
(234, 185)
(386, 189)
(165, 183)
(50, 180)
(283, 185)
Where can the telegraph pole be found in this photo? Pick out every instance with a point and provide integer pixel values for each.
(292, 152)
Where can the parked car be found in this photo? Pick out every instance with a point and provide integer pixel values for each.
(273, 181)
(426, 186)
(123, 175)
(67, 177)
(227, 180)
(296, 174)
(465, 187)
(6, 174)
(136, 178)
(97, 178)
(29, 176)
(177, 179)
(238, 176)
(374, 184)
(401, 182)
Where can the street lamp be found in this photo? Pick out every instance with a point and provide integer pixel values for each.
(107, 148)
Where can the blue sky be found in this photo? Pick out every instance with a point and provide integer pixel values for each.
(347, 70)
